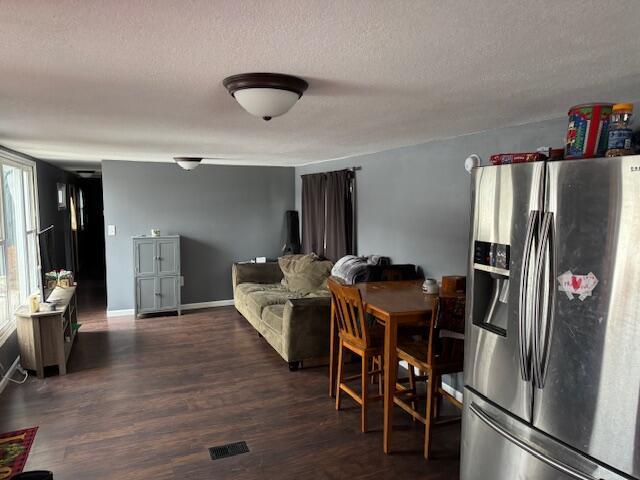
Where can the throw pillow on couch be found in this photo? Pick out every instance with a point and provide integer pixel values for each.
(304, 274)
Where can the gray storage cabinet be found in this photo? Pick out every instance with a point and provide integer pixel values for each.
(156, 273)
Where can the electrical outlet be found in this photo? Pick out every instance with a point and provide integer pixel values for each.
(111, 230)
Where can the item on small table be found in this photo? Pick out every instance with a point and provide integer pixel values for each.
(51, 279)
(155, 232)
(588, 130)
(65, 278)
(47, 307)
(34, 303)
(430, 286)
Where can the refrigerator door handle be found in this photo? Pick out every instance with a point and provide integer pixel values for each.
(504, 432)
(539, 340)
(524, 329)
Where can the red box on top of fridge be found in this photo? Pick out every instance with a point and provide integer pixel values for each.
(541, 154)
(506, 158)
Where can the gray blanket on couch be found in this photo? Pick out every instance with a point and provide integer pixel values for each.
(351, 269)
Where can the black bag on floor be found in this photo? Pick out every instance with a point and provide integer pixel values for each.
(34, 475)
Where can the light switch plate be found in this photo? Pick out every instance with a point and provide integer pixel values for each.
(111, 230)
(181, 281)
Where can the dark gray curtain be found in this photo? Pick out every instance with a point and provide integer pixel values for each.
(327, 214)
(339, 217)
(313, 213)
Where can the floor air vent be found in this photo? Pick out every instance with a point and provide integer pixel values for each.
(228, 450)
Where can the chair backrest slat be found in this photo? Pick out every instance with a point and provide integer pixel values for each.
(446, 331)
(349, 313)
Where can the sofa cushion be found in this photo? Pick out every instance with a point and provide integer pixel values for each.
(243, 290)
(304, 273)
(247, 288)
(272, 317)
(319, 292)
(257, 296)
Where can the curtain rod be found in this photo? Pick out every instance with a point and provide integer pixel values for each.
(348, 169)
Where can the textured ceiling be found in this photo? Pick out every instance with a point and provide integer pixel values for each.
(141, 80)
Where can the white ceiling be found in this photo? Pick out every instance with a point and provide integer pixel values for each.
(141, 80)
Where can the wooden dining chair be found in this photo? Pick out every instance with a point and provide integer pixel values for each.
(441, 353)
(359, 337)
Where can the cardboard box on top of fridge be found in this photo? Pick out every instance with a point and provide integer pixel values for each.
(543, 153)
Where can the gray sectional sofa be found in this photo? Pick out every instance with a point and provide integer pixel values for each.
(296, 325)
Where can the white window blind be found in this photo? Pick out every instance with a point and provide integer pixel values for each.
(18, 238)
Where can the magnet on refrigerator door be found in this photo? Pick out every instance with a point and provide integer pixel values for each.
(581, 285)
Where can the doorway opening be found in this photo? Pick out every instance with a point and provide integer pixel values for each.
(86, 242)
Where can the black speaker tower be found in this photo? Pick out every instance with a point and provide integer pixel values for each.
(292, 245)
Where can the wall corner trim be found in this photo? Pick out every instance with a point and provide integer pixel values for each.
(185, 306)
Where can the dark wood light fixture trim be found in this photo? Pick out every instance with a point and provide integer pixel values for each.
(278, 81)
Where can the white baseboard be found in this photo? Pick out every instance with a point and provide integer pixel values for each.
(120, 313)
(453, 392)
(12, 369)
(185, 306)
(212, 304)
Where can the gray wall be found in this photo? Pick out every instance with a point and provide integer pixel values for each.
(413, 202)
(9, 351)
(48, 178)
(224, 214)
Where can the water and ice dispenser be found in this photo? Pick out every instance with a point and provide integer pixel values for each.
(491, 286)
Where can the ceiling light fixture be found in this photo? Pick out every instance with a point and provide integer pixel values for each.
(188, 163)
(265, 95)
(85, 173)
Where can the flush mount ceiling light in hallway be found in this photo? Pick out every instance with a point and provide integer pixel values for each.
(188, 163)
(265, 95)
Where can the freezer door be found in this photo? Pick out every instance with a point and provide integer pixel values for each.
(506, 202)
(496, 446)
(588, 393)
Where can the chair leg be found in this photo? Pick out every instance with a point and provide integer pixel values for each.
(374, 366)
(412, 385)
(365, 393)
(431, 392)
(436, 401)
(339, 375)
(380, 377)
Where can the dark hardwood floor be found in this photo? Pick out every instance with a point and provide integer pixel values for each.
(144, 399)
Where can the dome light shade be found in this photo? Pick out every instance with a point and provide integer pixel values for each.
(266, 102)
(188, 163)
(265, 95)
(85, 173)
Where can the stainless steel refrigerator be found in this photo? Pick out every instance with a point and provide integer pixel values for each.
(552, 352)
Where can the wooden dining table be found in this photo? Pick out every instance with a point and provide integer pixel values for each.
(394, 304)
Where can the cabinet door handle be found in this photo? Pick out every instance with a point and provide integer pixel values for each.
(158, 294)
